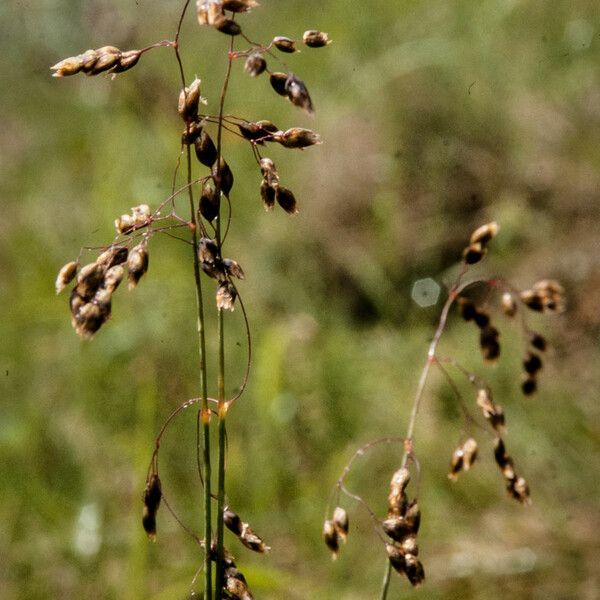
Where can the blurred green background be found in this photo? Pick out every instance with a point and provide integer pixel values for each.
(437, 116)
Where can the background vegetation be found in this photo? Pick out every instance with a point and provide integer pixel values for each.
(437, 116)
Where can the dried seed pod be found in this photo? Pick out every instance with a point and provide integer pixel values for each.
(208, 250)
(89, 279)
(68, 66)
(88, 58)
(298, 94)
(232, 521)
(66, 275)
(226, 295)
(397, 501)
(488, 341)
(397, 528)
(519, 490)
(227, 26)
(473, 253)
(529, 385)
(208, 11)
(297, 137)
(115, 255)
(284, 44)
(315, 39)
(222, 176)
(232, 268)
(127, 61)
(267, 126)
(251, 540)
(108, 57)
(481, 318)
(206, 151)
(278, 81)
(468, 310)
(89, 319)
(239, 6)
(124, 224)
(137, 264)
(268, 170)
(482, 235)
(409, 545)
(256, 132)
(113, 278)
(286, 199)
(462, 458)
(509, 305)
(191, 132)
(532, 363)
(413, 517)
(538, 341)
(331, 537)
(341, 522)
(255, 64)
(414, 570)
(267, 193)
(397, 558)
(209, 202)
(492, 412)
(189, 101)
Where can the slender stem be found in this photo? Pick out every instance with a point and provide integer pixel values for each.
(222, 405)
(204, 413)
(386, 580)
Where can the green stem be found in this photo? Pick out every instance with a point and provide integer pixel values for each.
(222, 407)
(386, 581)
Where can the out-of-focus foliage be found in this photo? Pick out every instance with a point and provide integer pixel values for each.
(437, 116)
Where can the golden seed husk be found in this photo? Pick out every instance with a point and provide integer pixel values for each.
(284, 44)
(341, 522)
(66, 275)
(315, 39)
(137, 264)
(482, 235)
(113, 278)
(509, 304)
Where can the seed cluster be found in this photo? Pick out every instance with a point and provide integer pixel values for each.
(107, 59)
(235, 586)
(402, 526)
(488, 334)
(516, 486)
(90, 299)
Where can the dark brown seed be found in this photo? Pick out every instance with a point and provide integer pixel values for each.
(331, 537)
(298, 94)
(208, 251)
(481, 319)
(473, 254)
(397, 558)
(532, 300)
(315, 39)
(502, 458)
(89, 279)
(488, 340)
(232, 268)
(286, 200)
(267, 193)
(149, 522)
(532, 363)
(255, 64)
(284, 44)
(239, 6)
(191, 132)
(209, 203)
(232, 521)
(414, 570)
(227, 26)
(206, 151)
(222, 176)
(297, 137)
(153, 493)
(278, 82)
(397, 528)
(529, 385)
(468, 310)
(538, 341)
